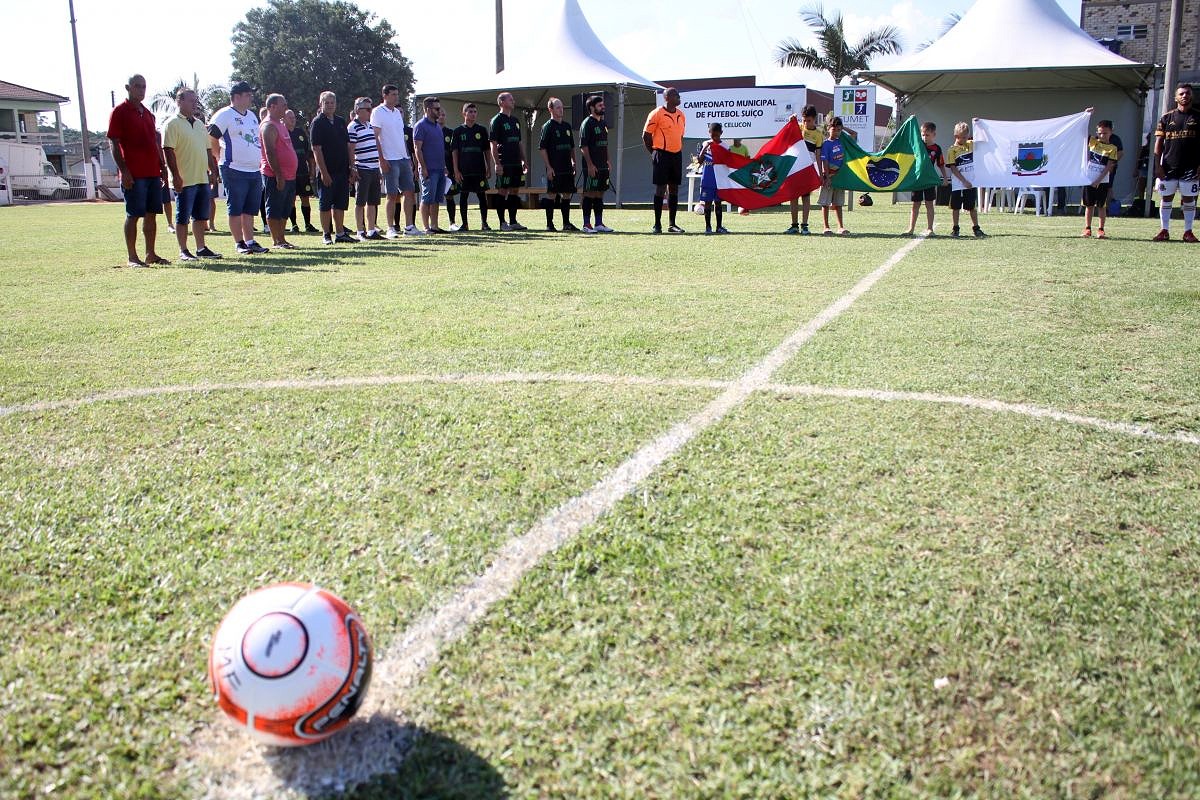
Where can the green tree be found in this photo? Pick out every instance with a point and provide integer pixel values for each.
(835, 55)
(300, 48)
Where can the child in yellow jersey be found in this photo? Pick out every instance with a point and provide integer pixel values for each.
(1102, 162)
(814, 137)
(960, 160)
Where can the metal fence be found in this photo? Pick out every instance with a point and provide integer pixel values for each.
(27, 189)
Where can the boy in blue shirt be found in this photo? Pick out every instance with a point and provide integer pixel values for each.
(831, 159)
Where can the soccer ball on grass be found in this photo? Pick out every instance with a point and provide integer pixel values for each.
(290, 664)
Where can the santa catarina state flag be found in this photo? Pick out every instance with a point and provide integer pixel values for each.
(782, 170)
(902, 166)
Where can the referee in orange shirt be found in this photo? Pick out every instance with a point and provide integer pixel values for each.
(663, 138)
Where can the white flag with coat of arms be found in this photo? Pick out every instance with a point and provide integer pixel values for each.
(1035, 152)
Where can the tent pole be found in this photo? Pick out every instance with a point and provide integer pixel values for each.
(620, 139)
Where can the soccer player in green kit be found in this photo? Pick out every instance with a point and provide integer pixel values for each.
(473, 166)
(557, 145)
(509, 156)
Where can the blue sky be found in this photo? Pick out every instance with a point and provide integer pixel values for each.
(661, 40)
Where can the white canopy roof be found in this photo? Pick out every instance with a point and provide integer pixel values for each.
(1012, 44)
(549, 44)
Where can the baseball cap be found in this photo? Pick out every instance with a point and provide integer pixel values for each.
(240, 87)
(364, 102)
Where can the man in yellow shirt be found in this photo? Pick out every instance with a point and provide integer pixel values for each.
(663, 138)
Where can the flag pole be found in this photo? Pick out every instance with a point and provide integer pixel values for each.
(83, 126)
(499, 36)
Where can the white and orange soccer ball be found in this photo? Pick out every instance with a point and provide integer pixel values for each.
(290, 664)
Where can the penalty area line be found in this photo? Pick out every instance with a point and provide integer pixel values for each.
(419, 647)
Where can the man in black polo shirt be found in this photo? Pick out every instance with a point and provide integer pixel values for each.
(557, 145)
(593, 142)
(471, 155)
(331, 149)
(509, 156)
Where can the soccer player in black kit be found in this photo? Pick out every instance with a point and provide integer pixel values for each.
(509, 156)
(558, 153)
(1177, 162)
(471, 155)
(593, 143)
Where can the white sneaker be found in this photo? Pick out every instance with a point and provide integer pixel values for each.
(455, 228)
(603, 229)
(588, 229)
(392, 233)
(504, 226)
(413, 230)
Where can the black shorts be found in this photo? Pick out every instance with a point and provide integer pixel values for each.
(929, 194)
(1095, 195)
(510, 176)
(600, 183)
(336, 195)
(367, 191)
(668, 168)
(963, 199)
(563, 183)
(473, 183)
(304, 185)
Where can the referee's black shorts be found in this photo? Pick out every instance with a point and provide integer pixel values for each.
(668, 168)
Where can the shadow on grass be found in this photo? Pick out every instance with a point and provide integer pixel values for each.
(430, 765)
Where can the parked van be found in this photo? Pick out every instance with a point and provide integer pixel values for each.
(31, 174)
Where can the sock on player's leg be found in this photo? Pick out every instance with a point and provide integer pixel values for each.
(672, 206)
(658, 207)
(1189, 214)
(1164, 214)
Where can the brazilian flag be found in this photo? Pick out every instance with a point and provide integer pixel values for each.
(902, 166)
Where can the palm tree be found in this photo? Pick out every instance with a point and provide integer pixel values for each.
(210, 98)
(836, 56)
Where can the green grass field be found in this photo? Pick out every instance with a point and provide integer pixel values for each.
(899, 592)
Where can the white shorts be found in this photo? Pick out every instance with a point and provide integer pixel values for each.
(1189, 188)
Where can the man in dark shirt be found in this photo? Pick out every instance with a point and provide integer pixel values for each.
(509, 156)
(1177, 162)
(593, 142)
(471, 158)
(557, 145)
(331, 151)
(305, 168)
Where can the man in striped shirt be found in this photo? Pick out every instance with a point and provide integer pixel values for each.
(365, 171)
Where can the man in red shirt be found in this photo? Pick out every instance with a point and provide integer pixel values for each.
(137, 150)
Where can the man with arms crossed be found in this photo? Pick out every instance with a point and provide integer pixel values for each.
(141, 168)
(430, 144)
(593, 142)
(394, 159)
(509, 155)
(557, 145)
(663, 138)
(333, 153)
(471, 154)
(193, 169)
(234, 130)
(1177, 162)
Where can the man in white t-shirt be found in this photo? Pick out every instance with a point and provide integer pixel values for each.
(395, 162)
(236, 143)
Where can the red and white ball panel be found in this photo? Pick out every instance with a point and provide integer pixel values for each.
(290, 663)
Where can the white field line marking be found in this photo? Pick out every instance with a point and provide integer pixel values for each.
(356, 382)
(603, 379)
(419, 647)
(1037, 412)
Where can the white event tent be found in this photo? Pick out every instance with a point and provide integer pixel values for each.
(1021, 59)
(552, 51)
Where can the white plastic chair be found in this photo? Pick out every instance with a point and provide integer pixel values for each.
(1023, 195)
(1000, 199)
